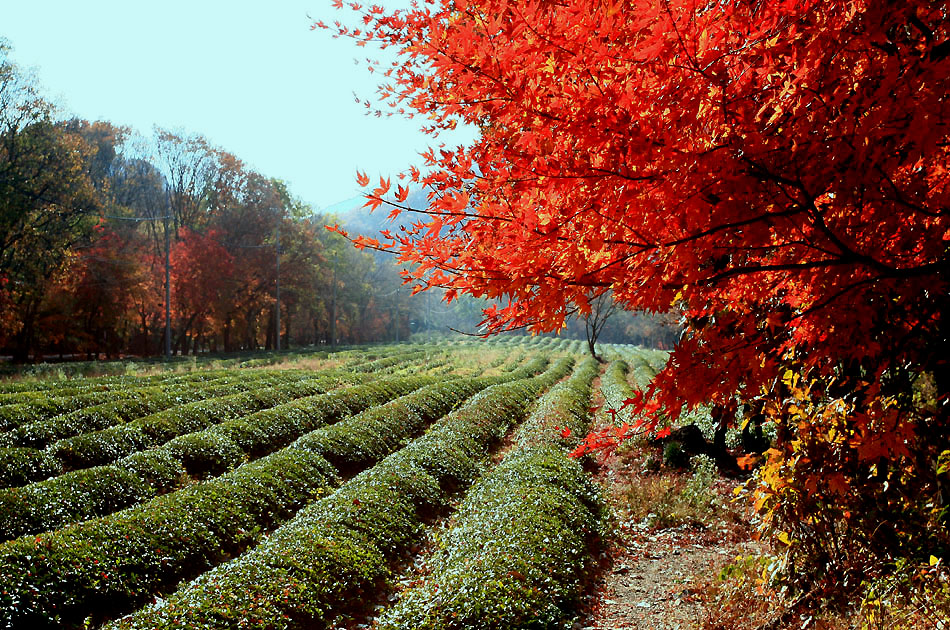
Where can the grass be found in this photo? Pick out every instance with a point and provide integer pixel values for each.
(668, 498)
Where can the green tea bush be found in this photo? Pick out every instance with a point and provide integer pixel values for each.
(362, 439)
(562, 414)
(40, 405)
(106, 565)
(20, 466)
(336, 551)
(206, 453)
(108, 445)
(519, 542)
(142, 402)
(616, 389)
(516, 553)
(99, 490)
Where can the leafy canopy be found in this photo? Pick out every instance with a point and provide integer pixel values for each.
(777, 171)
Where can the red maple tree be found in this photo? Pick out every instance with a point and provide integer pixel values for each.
(774, 171)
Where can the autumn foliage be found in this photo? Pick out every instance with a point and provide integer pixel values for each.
(775, 172)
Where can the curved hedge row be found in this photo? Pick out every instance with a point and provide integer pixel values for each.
(337, 549)
(35, 406)
(516, 554)
(359, 441)
(108, 564)
(104, 566)
(616, 389)
(388, 362)
(18, 464)
(30, 390)
(142, 402)
(108, 445)
(644, 364)
(519, 544)
(561, 416)
(43, 407)
(101, 490)
(22, 463)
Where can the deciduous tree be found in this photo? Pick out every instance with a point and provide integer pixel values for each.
(775, 170)
(46, 199)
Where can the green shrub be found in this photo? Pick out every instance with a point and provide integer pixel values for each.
(108, 445)
(106, 565)
(337, 550)
(77, 495)
(142, 402)
(517, 551)
(359, 440)
(205, 453)
(562, 414)
(80, 394)
(20, 466)
(104, 490)
(519, 542)
(616, 389)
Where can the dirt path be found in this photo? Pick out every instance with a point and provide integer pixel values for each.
(650, 583)
(648, 576)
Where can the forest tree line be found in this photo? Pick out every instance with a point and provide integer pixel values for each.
(88, 211)
(94, 216)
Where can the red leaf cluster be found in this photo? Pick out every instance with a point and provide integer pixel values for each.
(776, 172)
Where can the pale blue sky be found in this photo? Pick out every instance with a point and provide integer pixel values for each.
(249, 75)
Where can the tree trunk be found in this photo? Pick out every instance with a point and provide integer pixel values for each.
(23, 341)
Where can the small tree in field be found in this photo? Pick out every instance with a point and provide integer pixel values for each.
(601, 308)
(777, 171)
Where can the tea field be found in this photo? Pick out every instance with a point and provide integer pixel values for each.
(308, 493)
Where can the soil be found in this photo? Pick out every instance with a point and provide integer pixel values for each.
(652, 578)
(651, 581)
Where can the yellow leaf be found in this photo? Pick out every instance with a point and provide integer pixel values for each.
(943, 462)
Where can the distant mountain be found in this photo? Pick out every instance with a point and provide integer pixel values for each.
(345, 207)
(356, 219)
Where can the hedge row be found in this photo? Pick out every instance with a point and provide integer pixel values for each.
(516, 554)
(109, 564)
(58, 579)
(29, 390)
(561, 417)
(108, 445)
(56, 502)
(388, 362)
(38, 390)
(359, 441)
(616, 389)
(644, 364)
(518, 547)
(41, 405)
(19, 466)
(143, 401)
(101, 490)
(336, 551)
